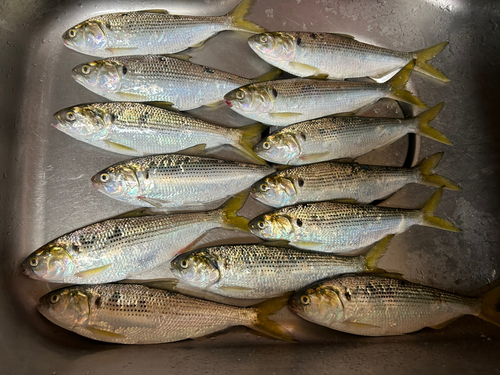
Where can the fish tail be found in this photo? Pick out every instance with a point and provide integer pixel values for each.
(424, 129)
(428, 212)
(230, 219)
(268, 76)
(375, 253)
(427, 177)
(397, 87)
(239, 22)
(490, 309)
(267, 326)
(245, 142)
(423, 55)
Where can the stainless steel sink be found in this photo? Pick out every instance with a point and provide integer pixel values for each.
(45, 188)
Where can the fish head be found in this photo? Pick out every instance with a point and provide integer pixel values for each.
(119, 181)
(275, 191)
(275, 46)
(52, 262)
(318, 303)
(280, 148)
(87, 37)
(83, 122)
(198, 269)
(252, 99)
(100, 76)
(273, 225)
(67, 307)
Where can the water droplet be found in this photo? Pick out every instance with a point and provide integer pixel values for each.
(80, 5)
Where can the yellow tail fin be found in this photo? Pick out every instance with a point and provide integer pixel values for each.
(229, 210)
(490, 309)
(397, 86)
(375, 253)
(427, 177)
(428, 211)
(246, 140)
(265, 325)
(423, 55)
(268, 76)
(425, 130)
(239, 22)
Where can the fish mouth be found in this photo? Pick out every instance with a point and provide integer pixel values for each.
(228, 102)
(95, 181)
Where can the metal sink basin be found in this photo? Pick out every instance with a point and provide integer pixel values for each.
(45, 188)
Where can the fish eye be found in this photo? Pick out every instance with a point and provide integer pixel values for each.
(305, 300)
(184, 263)
(54, 298)
(85, 69)
(263, 38)
(70, 116)
(72, 33)
(240, 94)
(104, 177)
(33, 262)
(266, 145)
(264, 187)
(261, 224)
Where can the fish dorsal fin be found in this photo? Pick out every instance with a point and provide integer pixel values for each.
(92, 272)
(179, 56)
(163, 11)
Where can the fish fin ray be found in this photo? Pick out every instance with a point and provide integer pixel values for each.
(376, 252)
(158, 203)
(424, 129)
(239, 22)
(268, 76)
(304, 70)
(92, 272)
(426, 168)
(230, 219)
(428, 212)
(267, 326)
(245, 144)
(424, 55)
(122, 149)
(103, 334)
(397, 83)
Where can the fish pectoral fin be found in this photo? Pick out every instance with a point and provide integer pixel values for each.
(284, 114)
(313, 158)
(195, 150)
(128, 96)
(92, 272)
(158, 203)
(166, 284)
(119, 148)
(444, 324)
(307, 245)
(304, 69)
(234, 288)
(104, 334)
(360, 325)
(115, 50)
(179, 56)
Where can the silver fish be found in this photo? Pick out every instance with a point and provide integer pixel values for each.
(174, 180)
(342, 227)
(261, 271)
(338, 56)
(288, 101)
(138, 129)
(344, 181)
(342, 137)
(116, 249)
(137, 314)
(151, 31)
(378, 305)
(154, 78)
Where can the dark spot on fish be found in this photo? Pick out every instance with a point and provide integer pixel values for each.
(299, 223)
(113, 117)
(314, 36)
(274, 92)
(307, 89)
(75, 248)
(98, 301)
(208, 70)
(322, 131)
(301, 182)
(144, 118)
(124, 70)
(347, 295)
(303, 136)
(89, 241)
(299, 40)
(117, 233)
(147, 174)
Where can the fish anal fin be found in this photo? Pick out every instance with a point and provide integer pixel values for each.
(444, 324)
(103, 334)
(360, 325)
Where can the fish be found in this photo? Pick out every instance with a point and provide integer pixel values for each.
(338, 56)
(175, 180)
(138, 314)
(385, 305)
(343, 227)
(118, 248)
(152, 31)
(168, 80)
(342, 137)
(288, 101)
(344, 181)
(265, 271)
(137, 129)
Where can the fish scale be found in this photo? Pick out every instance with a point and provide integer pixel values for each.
(376, 305)
(259, 271)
